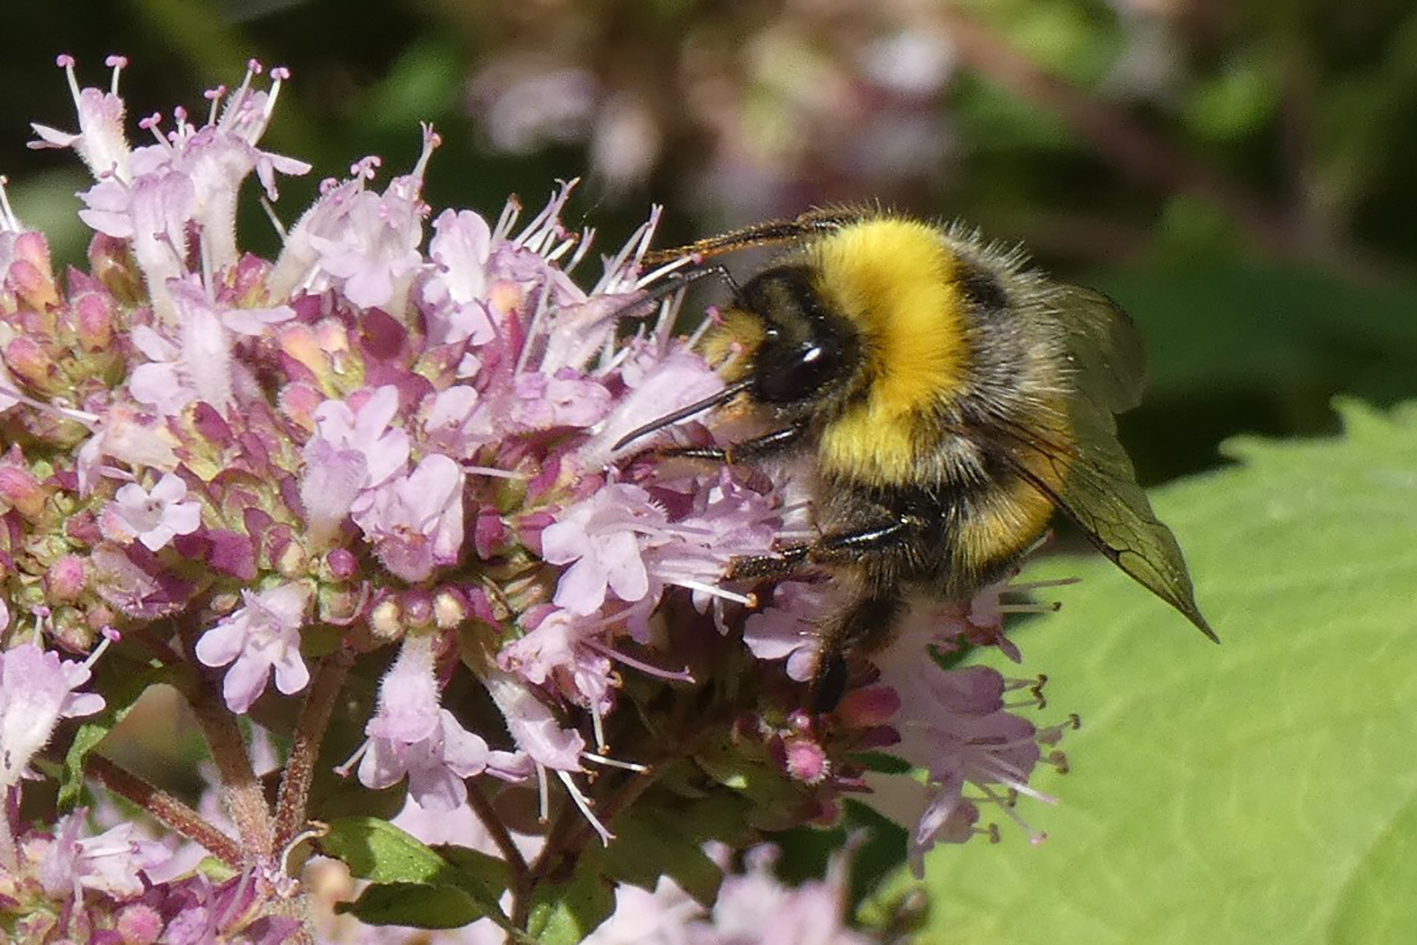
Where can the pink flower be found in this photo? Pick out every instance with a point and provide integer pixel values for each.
(755, 907)
(455, 295)
(412, 735)
(153, 518)
(36, 691)
(601, 539)
(372, 253)
(560, 651)
(415, 522)
(353, 451)
(262, 636)
(100, 141)
(791, 626)
(112, 863)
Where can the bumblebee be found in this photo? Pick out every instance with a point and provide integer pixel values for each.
(951, 399)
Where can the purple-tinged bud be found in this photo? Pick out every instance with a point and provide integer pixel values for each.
(863, 708)
(342, 564)
(489, 531)
(111, 262)
(29, 361)
(93, 313)
(139, 924)
(805, 760)
(31, 277)
(31, 285)
(289, 558)
(66, 579)
(449, 609)
(22, 490)
(417, 610)
(386, 620)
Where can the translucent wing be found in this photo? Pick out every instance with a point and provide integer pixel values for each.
(1074, 457)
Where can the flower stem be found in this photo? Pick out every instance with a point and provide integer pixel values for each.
(165, 808)
(292, 802)
(240, 787)
(500, 836)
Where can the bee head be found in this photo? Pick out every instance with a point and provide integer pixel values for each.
(797, 350)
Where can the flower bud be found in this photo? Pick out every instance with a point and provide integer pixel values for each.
(93, 313)
(66, 578)
(449, 609)
(22, 490)
(27, 359)
(386, 620)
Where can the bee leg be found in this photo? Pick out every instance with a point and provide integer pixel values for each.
(757, 447)
(864, 625)
(829, 549)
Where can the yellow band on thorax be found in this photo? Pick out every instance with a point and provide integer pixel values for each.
(894, 280)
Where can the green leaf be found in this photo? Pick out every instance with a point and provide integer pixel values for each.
(652, 841)
(377, 850)
(453, 879)
(565, 913)
(122, 684)
(416, 905)
(1259, 791)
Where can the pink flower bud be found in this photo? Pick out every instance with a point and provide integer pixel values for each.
(32, 285)
(139, 924)
(66, 578)
(94, 315)
(27, 359)
(111, 262)
(20, 488)
(342, 563)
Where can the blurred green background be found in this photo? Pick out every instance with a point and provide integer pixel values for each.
(1238, 174)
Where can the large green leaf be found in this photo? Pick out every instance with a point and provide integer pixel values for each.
(1259, 791)
(415, 884)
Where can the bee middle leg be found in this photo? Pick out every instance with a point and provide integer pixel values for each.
(832, 548)
(759, 446)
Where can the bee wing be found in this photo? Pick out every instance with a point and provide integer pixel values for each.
(1104, 348)
(1077, 461)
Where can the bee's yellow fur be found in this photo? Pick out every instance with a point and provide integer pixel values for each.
(911, 330)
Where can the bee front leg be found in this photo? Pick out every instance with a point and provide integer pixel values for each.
(755, 448)
(832, 548)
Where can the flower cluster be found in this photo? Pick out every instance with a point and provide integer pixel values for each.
(382, 477)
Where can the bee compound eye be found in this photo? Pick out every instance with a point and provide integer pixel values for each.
(796, 373)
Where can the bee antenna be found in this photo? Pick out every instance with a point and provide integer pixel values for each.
(698, 406)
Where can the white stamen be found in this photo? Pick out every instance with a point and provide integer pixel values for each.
(714, 591)
(495, 473)
(583, 803)
(614, 762)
